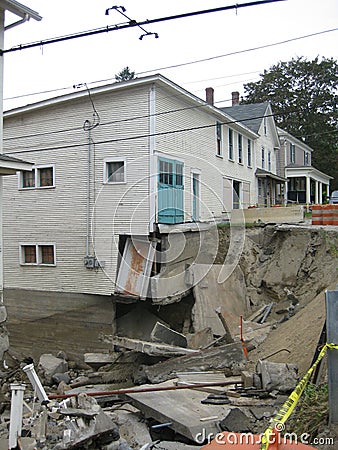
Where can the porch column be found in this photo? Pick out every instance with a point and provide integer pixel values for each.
(320, 192)
(308, 190)
(286, 193)
(316, 193)
(328, 191)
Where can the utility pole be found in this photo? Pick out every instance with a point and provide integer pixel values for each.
(332, 354)
(8, 166)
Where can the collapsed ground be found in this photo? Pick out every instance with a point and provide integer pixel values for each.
(285, 267)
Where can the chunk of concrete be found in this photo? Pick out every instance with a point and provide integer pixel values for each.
(3, 314)
(50, 365)
(200, 339)
(228, 356)
(277, 376)
(162, 333)
(235, 421)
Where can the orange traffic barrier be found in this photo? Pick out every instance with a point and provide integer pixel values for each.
(250, 441)
(317, 216)
(327, 214)
(335, 215)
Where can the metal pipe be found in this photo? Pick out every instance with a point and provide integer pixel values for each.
(147, 389)
(15, 424)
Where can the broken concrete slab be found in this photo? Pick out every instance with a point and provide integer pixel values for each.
(183, 409)
(277, 376)
(162, 333)
(150, 348)
(209, 294)
(100, 359)
(228, 357)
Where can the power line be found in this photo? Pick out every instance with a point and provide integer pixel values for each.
(131, 24)
(148, 135)
(188, 63)
(210, 58)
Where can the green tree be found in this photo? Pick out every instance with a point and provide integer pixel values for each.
(304, 97)
(125, 75)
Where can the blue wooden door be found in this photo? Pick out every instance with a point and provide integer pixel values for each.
(170, 191)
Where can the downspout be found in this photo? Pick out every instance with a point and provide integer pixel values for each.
(152, 162)
(19, 22)
(88, 187)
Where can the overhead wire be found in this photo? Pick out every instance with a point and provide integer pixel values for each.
(148, 135)
(189, 63)
(131, 24)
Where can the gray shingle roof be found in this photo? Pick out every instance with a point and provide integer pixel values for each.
(251, 114)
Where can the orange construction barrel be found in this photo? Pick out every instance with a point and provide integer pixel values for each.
(317, 218)
(248, 441)
(327, 214)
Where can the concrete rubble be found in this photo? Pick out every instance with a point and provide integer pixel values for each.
(197, 385)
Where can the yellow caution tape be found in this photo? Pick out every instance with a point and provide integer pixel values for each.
(290, 404)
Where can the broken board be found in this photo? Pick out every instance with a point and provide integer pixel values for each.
(182, 408)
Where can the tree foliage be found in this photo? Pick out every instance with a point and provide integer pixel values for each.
(125, 75)
(304, 97)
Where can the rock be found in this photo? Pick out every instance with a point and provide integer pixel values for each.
(277, 376)
(58, 377)
(121, 444)
(132, 427)
(3, 313)
(236, 421)
(51, 365)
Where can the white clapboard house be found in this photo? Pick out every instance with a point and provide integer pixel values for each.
(118, 170)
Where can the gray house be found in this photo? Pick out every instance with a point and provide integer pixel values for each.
(269, 182)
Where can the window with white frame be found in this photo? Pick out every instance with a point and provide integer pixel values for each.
(292, 153)
(269, 161)
(240, 149)
(42, 176)
(249, 153)
(263, 157)
(37, 254)
(306, 158)
(231, 144)
(219, 139)
(114, 171)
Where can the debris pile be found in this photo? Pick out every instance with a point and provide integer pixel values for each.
(171, 396)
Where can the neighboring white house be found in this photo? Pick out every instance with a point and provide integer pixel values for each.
(306, 184)
(116, 171)
(269, 183)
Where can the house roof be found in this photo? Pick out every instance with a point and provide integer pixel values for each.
(260, 173)
(20, 10)
(251, 114)
(10, 165)
(156, 78)
(285, 134)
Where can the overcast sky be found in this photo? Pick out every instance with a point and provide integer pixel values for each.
(96, 58)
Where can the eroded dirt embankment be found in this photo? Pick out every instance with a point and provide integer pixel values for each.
(301, 259)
